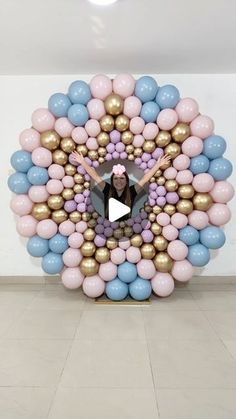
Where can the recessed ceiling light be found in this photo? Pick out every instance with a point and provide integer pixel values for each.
(102, 2)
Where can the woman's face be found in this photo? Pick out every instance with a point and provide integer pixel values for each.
(119, 182)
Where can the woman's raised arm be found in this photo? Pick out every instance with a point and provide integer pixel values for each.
(160, 162)
(90, 170)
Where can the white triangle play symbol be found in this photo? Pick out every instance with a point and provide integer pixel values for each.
(116, 209)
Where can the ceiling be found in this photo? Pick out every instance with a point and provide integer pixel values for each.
(137, 36)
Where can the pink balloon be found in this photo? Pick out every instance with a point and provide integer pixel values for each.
(192, 146)
(118, 256)
(81, 226)
(133, 254)
(54, 186)
(96, 109)
(108, 271)
(179, 220)
(162, 284)
(66, 228)
(167, 119)
(93, 286)
(64, 127)
(92, 127)
(219, 214)
(47, 229)
(56, 171)
(72, 257)
(184, 177)
(202, 126)
(182, 270)
(26, 226)
(146, 269)
(68, 181)
(101, 86)
(72, 278)
(29, 139)
(92, 144)
(42, 120)
(137, 125)
(170, 232)
(187, 109)
(203, 182)
(132, 106)
(21, 204)
(181, 162)
(198, 219)
(177, 250)
(170, 173)
(222, 192)
(124, 244)
(79, 135)
(42, 157)
(38, 193)
(123, 85)
(163, 219)
(75, 240)
(138, 141)
(150, 131)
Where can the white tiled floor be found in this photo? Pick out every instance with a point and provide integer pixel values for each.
(64, 357)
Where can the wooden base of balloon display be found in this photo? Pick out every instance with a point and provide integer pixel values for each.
(128, 301)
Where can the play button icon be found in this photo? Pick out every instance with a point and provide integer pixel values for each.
(116, 209)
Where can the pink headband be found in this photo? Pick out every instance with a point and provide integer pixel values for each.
(118, 169)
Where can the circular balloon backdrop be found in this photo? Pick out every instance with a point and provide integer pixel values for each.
(121, 119)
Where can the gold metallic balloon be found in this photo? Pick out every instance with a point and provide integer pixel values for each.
(171, 185)
(184, 206)
(89, 234)
(122, 224)
(86, 185)
(169, 209)
(129, 149)
(102, 255)
(78, 178)
(59, 216)
(127, 137)
(122, 123)
(202, 201)
(59, 157)
(68, 145)
(103, 139)
(148, 251)
(118, 233)
(95, 215)
(163, 138)
(68, 194)
(92, 223)
(83, 149)
(86, 216)
(111, 243)
(163, 262)
(128, 231)
(89, 266)
(107, 123)
(138, 153)
(41, 211)
(152, 217)
(75, 216)
(158, 173)
(156, 228)
(148, 208)
(50, 140)
(173, 150)
(55, 202)
(186, 191)
(70, 170)
(93, 154)
(156, 209)
(131, 157)
(88, 249)
(161, 180)
(149, 146)
(136, 240)
(101, 160)
(114, 104)
(180, 132)
(78, 188)
(160, 243)
(152, 180)
(102, 151)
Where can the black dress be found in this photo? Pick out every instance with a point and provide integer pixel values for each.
(120, 198)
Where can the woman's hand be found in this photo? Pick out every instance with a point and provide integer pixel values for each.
(77, 157)
(163, 160)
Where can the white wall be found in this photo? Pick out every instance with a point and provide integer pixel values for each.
(20, 96)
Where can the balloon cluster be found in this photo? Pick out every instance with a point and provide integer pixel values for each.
(121, 119)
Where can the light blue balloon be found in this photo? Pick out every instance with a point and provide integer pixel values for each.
(52, 263)
(212, 237)
(198, 254)
(78, 115)
(21, 161)
(127, 272)
(116, 290)
(18, 183)
(58, 243)
(199, 164)
(140, 289)
(79, 92)
(59, 104)
(146, 88)
(38, 175)
(167, 96)
(220, 168)
(149, 111)
(37, 246)
(189, 235)
(214, 146)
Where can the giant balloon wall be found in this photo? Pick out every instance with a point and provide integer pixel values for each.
(121, 118)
